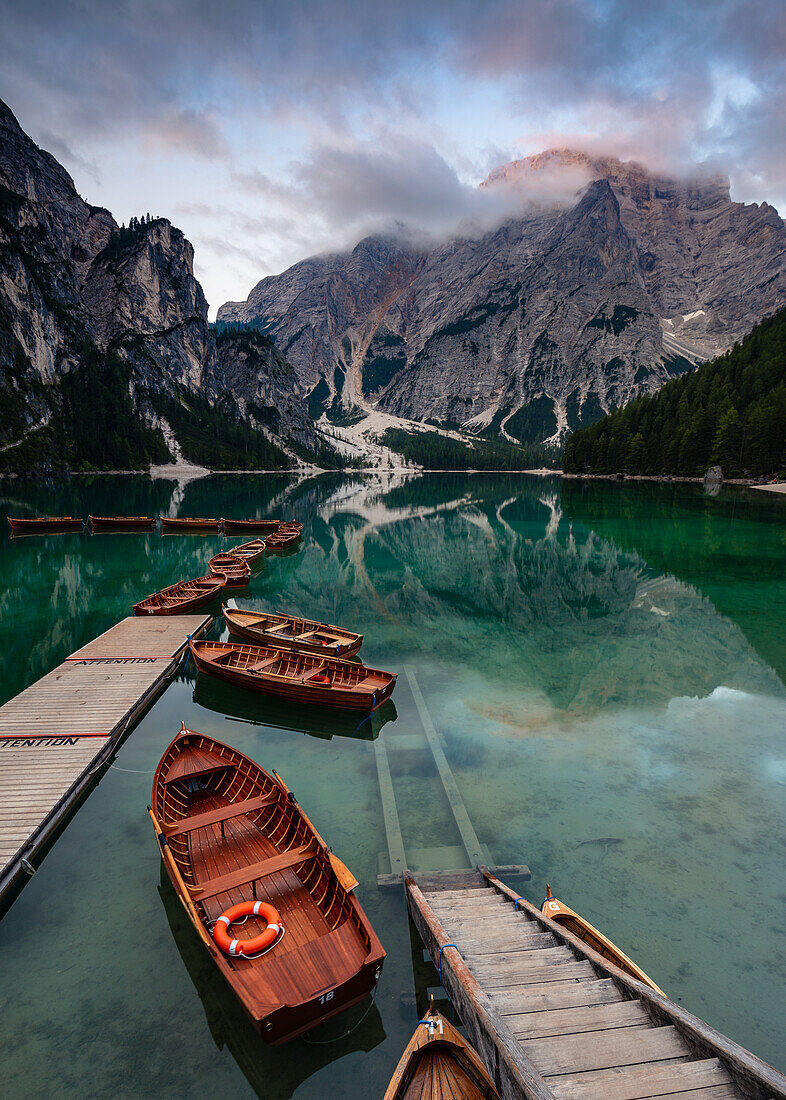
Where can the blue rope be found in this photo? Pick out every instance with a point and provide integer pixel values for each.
(439, 961)
(362, 720)
(516, 903)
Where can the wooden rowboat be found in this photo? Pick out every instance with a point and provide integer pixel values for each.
(112, 523)
(46, 523)
(252, 552)
(575, 923)
(289, 632)
(304, 677)
(235, 569)
(281, 540)
(177, 599)
(249, 524)
(170, 523)
(229, 833)
(439, 1064)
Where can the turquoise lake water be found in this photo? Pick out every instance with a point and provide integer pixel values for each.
(606, 664)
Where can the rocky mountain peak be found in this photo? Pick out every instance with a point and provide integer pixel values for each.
(607, 280)
(577, 166)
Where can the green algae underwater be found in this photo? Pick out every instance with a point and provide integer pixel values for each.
(605, 663)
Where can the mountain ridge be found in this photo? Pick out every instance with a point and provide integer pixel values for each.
(118, 312)
(539, 325)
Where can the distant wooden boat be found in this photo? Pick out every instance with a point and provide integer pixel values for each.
(46, 523)
(581, 928)
(324, 723)
(282, 539)
(250, 524)
(231, 834)
(170, 523)
(180, 598)
(304, 677)
(115, 523)
(290, 632)
(439, 1064)
(252, 552)
(235, 569)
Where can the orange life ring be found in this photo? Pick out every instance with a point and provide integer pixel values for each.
(247, 947)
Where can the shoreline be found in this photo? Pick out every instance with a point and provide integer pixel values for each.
(173, 472)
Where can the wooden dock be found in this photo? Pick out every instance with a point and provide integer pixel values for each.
(58, 734)
(394, 863)
(553, 1020)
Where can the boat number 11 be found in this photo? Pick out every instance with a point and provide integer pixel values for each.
(326, 997)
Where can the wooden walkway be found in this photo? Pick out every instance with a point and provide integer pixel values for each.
(57, 735)
(553, 1020)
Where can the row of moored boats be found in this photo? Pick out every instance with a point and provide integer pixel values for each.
(272, 904)
(30, 525)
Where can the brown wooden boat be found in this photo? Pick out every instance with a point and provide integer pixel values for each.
(439, 1064)
(252, 552)
(281, 540)
(250, 524)
(171, 523)
(305, 677)
(129, 523)
(231, 833)
(185, 596)
(290, 632)
(235, 569)
(46, 523)
(575, 923)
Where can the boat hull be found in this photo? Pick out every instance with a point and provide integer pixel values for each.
(122, 523)
(266, 638)
(439, 1064)
(198, 525)
(250, 524)
(560, 913)
(329, 957)
(286, 688)
(182, 607)
(236, 570)
(48, 523)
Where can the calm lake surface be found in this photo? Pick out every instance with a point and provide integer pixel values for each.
(605, 662)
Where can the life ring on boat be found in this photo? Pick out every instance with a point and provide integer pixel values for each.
(231, 946)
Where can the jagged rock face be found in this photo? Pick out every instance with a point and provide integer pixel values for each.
(542, 324)
(248, 366)
(146, 289)
(71, 282)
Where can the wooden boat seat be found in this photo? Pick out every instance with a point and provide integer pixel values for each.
(261, 665)
(223, 813)
(273, 629)
(312, 672)
(308, 634)
(251, 873)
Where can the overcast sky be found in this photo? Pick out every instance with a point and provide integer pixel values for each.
(270, 131)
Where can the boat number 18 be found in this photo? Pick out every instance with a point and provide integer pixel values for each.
(327, 997)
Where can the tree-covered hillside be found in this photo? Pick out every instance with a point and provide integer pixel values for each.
(435, 451)
(730, 412)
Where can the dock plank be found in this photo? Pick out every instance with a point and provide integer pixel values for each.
(573, 1021)
(642, 1081)
(626, 1046)
(57, 733)
(520, 1003)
